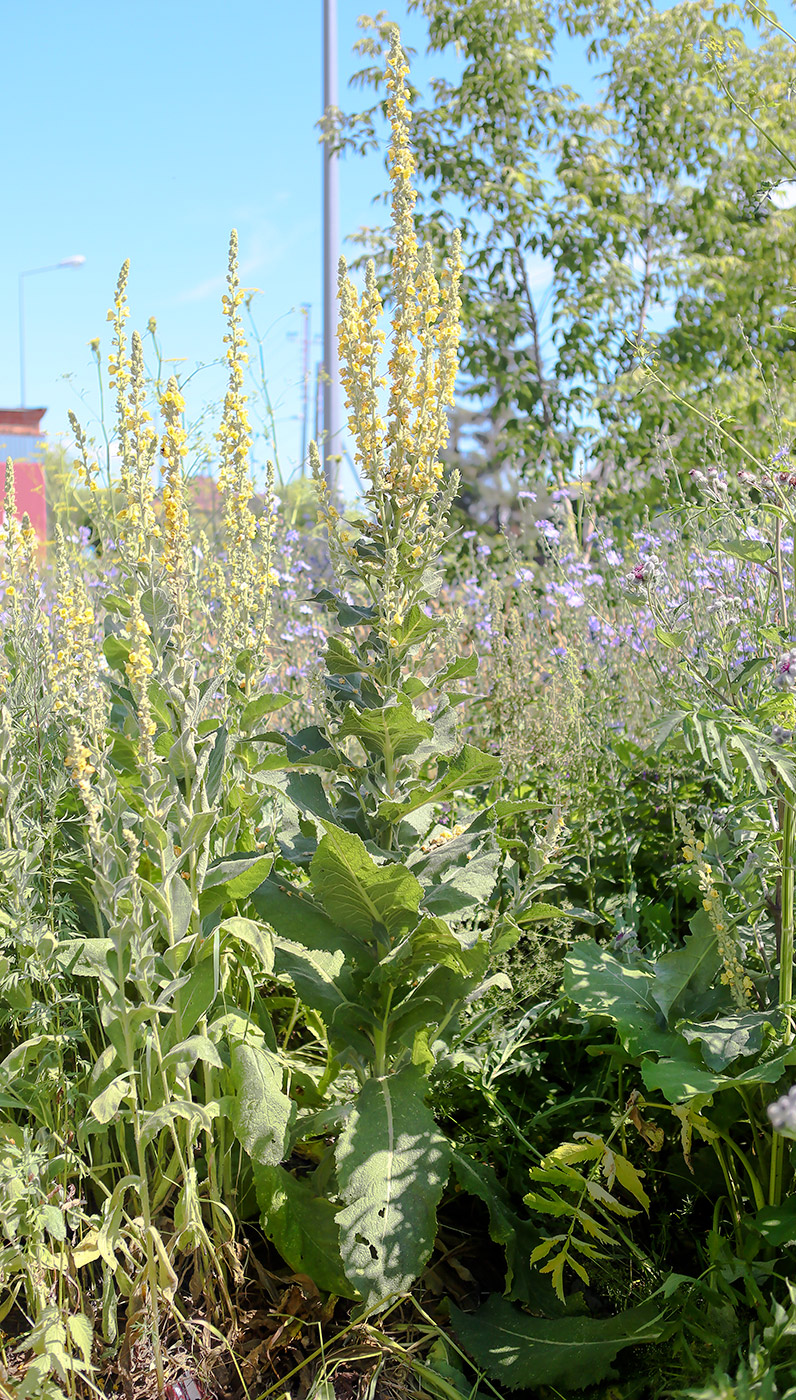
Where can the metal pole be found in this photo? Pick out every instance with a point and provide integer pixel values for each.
(305, 380)
(331, 243)
(76, 261)
(22, 340)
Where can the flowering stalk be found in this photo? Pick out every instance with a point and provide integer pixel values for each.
(400, 459)
(176, 541)
(139, 668)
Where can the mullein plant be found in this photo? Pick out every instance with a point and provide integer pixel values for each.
(144, 752)
(385, 918)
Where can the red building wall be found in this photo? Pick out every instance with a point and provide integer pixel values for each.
(20, 439)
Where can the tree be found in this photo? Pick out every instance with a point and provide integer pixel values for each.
(646, 210)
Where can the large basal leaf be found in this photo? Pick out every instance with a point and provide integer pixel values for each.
(602, 986)
(359, 894)
(467, 769)
(261, 1112)
(391, 730)
(392, 1165)
(522, 1352)
(303, 1227)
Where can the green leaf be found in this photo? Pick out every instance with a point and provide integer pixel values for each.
(317, 974)
(431, 944)
(669, 639)
(306, 791)
(293, 914)
(184, 1056)
(524, 1352)
(197, 829)
(682, 1078)
(392, 1165)
(214, 773)
(756, 551)
(82, 1334)
(391, 731)
(541, 913)
(233, 878)
(679, 1079)
(467, 769)
(52, 1218)
(777, 1224)
(415, 627)
(191, 1002)
(744, 746)
(602, 986)
(459, 874)
(690, 969)
(309, 748)
(117, 651)
(106, 1105)
(728, 1038)
(265, 704)
(240, 930)
(340, 660)
(459, 670)
(359, 894)
(181, 902)
(303, 1228)
(261, 1112)
(198, 1117)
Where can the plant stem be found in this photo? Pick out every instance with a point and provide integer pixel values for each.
(785, 981)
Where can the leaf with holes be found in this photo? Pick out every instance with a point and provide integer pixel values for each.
(392, 1165)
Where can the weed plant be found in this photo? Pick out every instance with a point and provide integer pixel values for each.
(500, 951)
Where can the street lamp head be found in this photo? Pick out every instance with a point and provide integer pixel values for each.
(76, 261)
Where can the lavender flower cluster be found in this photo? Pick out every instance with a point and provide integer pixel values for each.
(783, 1113)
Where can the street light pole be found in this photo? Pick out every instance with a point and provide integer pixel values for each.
(76, 261)
(331, 244)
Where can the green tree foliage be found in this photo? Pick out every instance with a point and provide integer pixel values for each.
(641, 211)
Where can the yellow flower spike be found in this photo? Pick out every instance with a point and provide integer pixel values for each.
(176, 539)
(139, 668)
(80, 769)
(76, 661)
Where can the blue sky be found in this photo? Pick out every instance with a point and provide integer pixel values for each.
(148, 129)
